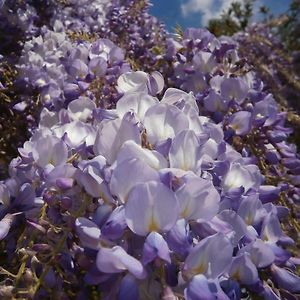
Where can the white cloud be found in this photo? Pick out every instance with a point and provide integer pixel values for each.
(208, 8)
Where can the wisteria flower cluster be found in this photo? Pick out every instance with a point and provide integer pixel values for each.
(228, 91)
(277, 68)
(158, 167)
(62, 70)
(82, 15)
(161, 205)
(17, 19)
(52, 29)
(130, 26)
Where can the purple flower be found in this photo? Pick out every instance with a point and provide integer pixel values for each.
(115, 225)
(81, 109)
(241, 176)
(50, 150)
(138, 102)
(198, 199)
(184, 151)
(122, 182)
(235, 89)
(90, 176)
(141, 82)
(78, 69)
(116, 260)
(155, 247)
(214, 102)
(241, 122)
(202, 288)
(98, 66)
(146, 206)
(164, 121)
(128, 288)
(88, 233)
(5, 225)
(114, 134)
(286, 279)
(243, 270)
(204, 258)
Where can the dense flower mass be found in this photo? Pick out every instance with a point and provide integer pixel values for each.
(227, 90)
(150, 186)
(277, 69)
(62, 71)
(158, 166)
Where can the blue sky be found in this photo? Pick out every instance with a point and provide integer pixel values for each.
(195, 13)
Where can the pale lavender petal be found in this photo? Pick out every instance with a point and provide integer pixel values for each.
(50, 150)
(214, 102)
(131, 150)
(195, 123)
(90, 175)
(205, 257)
(243, 270)
(146, 208)
(204, 62)
(122, 181)
(5, 225)
(155, 246)
(235, 89)
(241, 122)
(76, 133)
(132, 82)
(155, 83)
(261, 254)
(106, 134)
(139, 102)
(61, 172)
(198, 289)
(116, 260)
(78, 69)
(98, 66)
(249, 210)
(178, 238)
(209, 148)
(239, 229)
(164, 121)
(184, 151)
(174, 96)
(115, 225)
(240, 176)
(198, 199)
(113, 134)
(81, 109)
(271, 229)
(88, 233)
